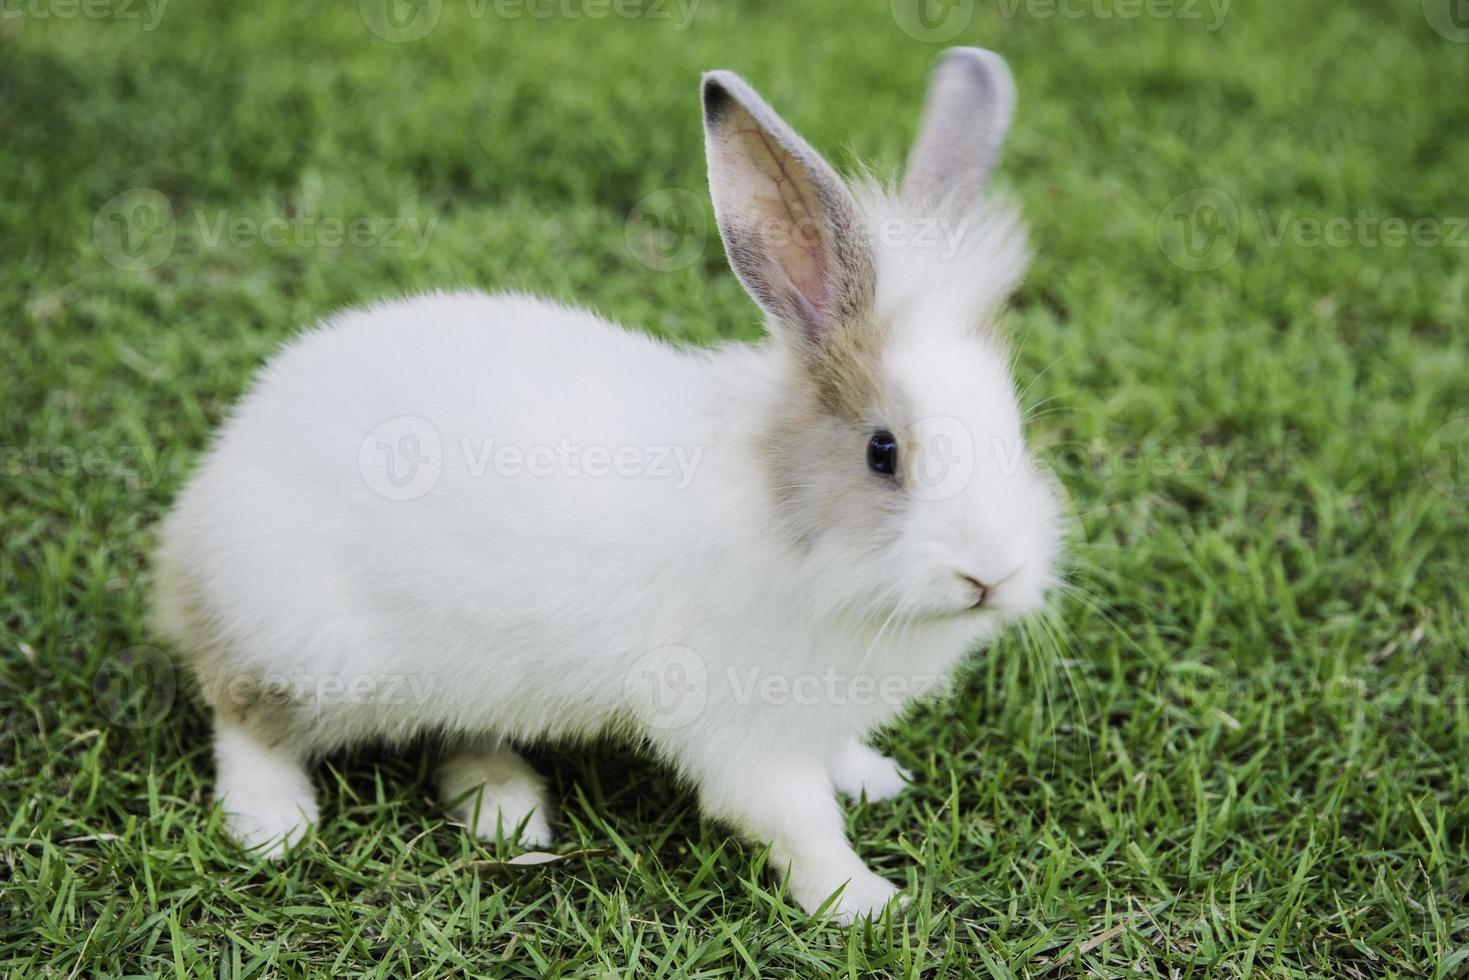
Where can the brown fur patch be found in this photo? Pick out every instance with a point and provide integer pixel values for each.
(845, 370)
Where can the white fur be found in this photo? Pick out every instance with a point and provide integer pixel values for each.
(859, 772)
(267, 797)
(525, 608)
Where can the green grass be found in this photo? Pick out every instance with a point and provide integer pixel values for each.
(1247, 752)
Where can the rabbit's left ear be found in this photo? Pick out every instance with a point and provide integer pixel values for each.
(789, 224)
(971, 101)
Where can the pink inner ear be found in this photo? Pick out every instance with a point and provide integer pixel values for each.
(801, 251)
(792, 216)
(806, 269)
(812, 313)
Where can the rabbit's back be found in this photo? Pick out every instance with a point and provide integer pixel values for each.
(424, 493)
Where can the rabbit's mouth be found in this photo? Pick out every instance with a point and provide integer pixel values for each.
(980, 590)
(991, 602)
(984, 594)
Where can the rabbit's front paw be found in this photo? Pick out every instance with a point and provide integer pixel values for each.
(867, 895)
(862, 894)
(265, 792)
(269, 824)
(861, 771)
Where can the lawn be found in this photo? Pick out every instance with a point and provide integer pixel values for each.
(1243, 749)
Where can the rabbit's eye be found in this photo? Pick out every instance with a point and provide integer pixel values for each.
(882, 453)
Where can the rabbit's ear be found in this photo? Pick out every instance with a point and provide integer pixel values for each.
(971, 101)
(788, 222)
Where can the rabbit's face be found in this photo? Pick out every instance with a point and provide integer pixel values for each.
(910, 489)
(977, 523)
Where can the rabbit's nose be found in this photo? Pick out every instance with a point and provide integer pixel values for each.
(980, 590)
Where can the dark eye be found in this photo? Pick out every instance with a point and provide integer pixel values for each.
(882, 453)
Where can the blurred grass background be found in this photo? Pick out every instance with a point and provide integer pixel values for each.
(1245, 755)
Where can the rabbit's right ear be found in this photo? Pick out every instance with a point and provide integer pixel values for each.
(971, 101)
(788, 222)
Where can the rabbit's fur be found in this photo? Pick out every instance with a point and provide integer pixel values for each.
(694, 552)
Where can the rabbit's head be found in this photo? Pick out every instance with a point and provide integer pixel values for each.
(894, 453)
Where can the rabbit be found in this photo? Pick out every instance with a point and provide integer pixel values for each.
(495, 520)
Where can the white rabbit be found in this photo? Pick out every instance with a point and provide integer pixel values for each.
(496, 520)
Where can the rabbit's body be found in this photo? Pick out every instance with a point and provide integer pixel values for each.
(494, 519)
(516, 603)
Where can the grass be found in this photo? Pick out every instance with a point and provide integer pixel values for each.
(1244, 754)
